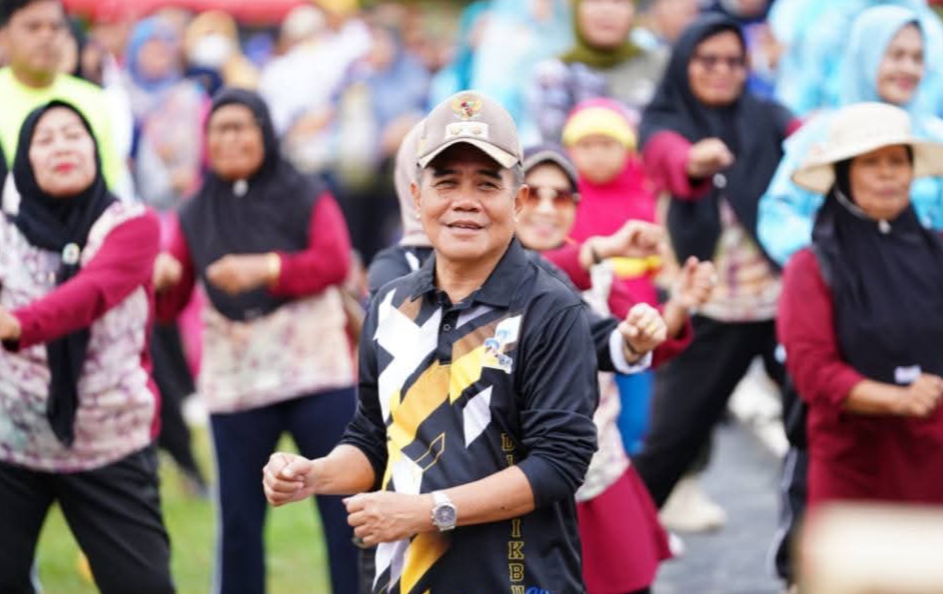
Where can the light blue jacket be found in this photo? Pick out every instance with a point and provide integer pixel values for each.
(786, 211)
(815, 32)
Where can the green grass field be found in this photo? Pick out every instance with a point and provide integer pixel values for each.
(296, 561)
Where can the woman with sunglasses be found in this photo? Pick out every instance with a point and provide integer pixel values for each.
(622, 540)
(714, 147)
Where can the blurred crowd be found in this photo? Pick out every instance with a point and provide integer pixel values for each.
(693, 115)
(376, 69)
(379, 67)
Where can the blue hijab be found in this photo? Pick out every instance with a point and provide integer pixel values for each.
(148, 30)
(458, 74)
(870, 36)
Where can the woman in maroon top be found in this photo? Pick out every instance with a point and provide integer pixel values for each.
(714, 146)
(78, 409)
(861, 315)
(270, 247)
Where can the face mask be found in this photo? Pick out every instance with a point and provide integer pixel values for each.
(211, 51)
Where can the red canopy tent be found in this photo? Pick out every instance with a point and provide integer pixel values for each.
(246, 11)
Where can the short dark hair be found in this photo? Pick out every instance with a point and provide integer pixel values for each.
(8, 8)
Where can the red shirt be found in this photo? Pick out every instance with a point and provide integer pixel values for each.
(325, 262)
(851, 456)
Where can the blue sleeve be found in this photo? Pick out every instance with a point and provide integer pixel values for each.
(926, 193)
(548, 100)
(807, 77)
(786, 211)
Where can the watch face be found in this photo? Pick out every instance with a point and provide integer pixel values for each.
(445, 516)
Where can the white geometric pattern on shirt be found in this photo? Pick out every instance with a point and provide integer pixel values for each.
(407, 343)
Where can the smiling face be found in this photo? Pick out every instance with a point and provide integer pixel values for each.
(717, 71)
(550, 209)
(62, 154)
(880, 181)
(467, 203)
(235, 142)
(901, 68)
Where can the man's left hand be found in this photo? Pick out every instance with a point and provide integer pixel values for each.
(236, 274)
(384, 516)
(643, 329)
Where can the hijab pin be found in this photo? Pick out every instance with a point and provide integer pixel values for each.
(884, 227)
(240, 188)
(71, 254)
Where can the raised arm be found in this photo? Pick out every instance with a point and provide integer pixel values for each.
(123, 263)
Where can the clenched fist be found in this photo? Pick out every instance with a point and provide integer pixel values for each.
(707, 157)
(288, 478)
(236, 274)
(920, 398)
(643, 329)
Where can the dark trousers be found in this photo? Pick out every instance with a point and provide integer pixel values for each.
(793, 488)
(792, 503)
(114, 513)
(243, 442)
(692, 396)
(175, 382)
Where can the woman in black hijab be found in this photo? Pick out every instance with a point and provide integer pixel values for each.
(862, 315)
(714, 147)
(269, 246)
(77, 407)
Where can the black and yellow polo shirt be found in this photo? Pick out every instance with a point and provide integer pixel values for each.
(452, 393)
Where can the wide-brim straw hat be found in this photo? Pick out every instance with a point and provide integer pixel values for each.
(859, 129)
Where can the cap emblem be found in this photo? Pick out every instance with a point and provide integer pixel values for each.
(467, 107)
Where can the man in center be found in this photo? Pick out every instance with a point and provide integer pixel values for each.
(477, 389)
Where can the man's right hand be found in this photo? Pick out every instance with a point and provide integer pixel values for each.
(707, 157)
(288, 478)
(920, 398)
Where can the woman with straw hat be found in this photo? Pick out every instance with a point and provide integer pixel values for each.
(888, 58)
(861, 315)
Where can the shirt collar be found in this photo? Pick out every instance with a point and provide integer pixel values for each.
(498, 289)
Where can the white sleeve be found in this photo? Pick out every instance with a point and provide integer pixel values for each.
(617, 352)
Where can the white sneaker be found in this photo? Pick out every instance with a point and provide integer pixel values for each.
(676, 546)
(690, 509)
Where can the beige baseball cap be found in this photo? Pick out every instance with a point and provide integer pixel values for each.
(472, 118)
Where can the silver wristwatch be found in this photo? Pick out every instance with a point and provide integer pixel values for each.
(444, 512)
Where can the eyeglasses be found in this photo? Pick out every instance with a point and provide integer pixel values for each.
(559, 198)
(237, 128)
(711, 61)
